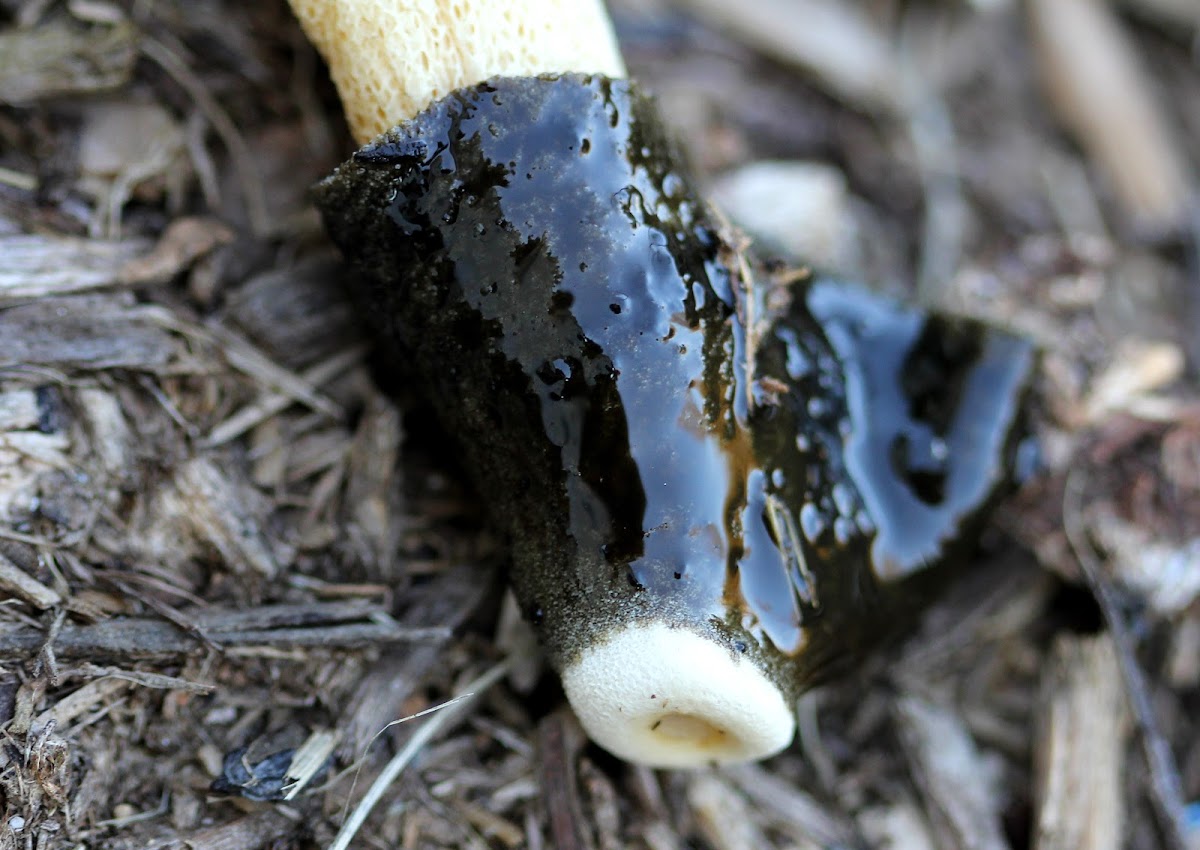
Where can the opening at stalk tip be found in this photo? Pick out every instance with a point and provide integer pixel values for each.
(668, 697)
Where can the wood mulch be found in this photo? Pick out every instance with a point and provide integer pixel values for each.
(233, 553)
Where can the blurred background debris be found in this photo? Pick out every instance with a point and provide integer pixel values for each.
(233, 549)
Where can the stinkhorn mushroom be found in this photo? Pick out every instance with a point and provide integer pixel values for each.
(718, 483)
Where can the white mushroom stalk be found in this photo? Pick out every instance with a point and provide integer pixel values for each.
(392, 58)
(646, 691)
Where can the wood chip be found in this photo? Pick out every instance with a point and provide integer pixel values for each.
(113, 444)
(185, 241)
(271, 403)
(659, 835)
(147, 679)
(379, 698)
(40, 266)
(445, 602)
(261, 829)
(249, 359)
(898, 825)
(1080, 753)
(603, 808)
(804, 818)
(442, 717)
(80, 701)
(559, 741)
(725, 819)
(1096, 83)
(207, 504)
(492, 825)
(60, 59)
(16, 581)
(127, 149)
(1163, 573)
(956, 782)
(1183, 660)
(372, 495)
(309, 760)
(1137, 368)
(20, 410)
(85, 332)
(330, 625)
(836, 42)
(1181, 14)
(799, 211)
(300, 315)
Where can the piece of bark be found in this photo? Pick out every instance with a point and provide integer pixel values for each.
(559, 741)
(299, 315)
(147, 679)
(329, 625)
(43, 265)
(33, 477)
(91, 332)
(142, 639)
(1080, 755)
(1096, 83)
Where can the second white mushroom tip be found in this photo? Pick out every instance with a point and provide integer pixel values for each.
(667, 697)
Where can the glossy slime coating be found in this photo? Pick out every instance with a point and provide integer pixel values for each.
(779, 468)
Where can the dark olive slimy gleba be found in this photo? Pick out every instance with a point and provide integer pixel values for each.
(717, 489)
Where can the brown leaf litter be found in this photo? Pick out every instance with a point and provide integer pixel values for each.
(228, 553)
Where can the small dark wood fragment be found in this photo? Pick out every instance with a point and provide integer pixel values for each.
(560, 792)
(339, 625)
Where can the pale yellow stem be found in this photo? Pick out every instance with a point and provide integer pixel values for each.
(392, 58)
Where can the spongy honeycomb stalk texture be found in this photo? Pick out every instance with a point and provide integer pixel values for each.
(392, 58)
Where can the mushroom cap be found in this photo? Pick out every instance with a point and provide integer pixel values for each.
(668, 697)
(392, 58)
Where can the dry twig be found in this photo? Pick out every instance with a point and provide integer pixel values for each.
(1166, 790)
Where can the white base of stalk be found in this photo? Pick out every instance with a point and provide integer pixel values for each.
(666, 697)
